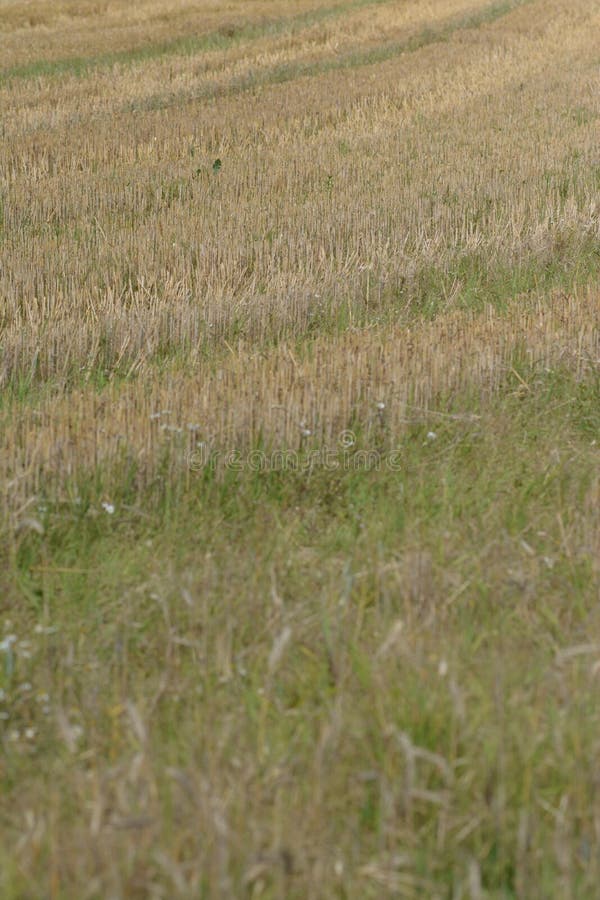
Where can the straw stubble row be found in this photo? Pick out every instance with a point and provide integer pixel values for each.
(336, 193)
(374, 381)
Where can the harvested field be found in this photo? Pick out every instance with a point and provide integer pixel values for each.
(299, 449)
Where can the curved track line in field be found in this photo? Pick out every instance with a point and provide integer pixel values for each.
(218, 39)
(287, 72)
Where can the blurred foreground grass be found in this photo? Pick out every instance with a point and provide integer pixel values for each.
(325, 683)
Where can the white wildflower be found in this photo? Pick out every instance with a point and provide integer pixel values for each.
(39, 629)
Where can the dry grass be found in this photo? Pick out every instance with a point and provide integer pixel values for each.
(341, 190)
(244, 398)
(48, 30)
(299, 474)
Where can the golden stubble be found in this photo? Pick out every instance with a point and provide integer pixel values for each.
(123, 246)
(49, 31)
(120, 242)
(372, 380)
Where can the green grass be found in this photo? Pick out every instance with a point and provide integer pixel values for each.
(332, 683)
